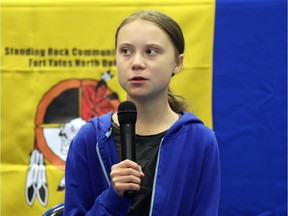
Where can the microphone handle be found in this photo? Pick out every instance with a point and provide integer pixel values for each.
(128, 149)
(130, 194)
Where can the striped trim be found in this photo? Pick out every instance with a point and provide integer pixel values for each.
(102, 164)
(155, 177)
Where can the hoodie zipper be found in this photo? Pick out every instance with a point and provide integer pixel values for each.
(107, 134)
(155, 179)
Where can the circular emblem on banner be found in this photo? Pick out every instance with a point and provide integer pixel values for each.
(64, 109)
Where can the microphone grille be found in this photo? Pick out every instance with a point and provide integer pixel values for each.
(127, 112)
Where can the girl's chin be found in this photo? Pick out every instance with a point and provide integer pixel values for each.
(138, 96)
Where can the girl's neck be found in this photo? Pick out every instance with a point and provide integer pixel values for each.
(155, 122)
(153, 118)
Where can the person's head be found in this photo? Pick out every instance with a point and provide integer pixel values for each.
(152, 43)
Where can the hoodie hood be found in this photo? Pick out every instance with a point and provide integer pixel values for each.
(186, 119)
(103, 123)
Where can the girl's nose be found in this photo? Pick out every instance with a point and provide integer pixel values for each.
(138, 62)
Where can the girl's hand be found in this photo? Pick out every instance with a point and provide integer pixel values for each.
(126, 175)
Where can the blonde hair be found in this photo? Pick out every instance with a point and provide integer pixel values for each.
(173, 30)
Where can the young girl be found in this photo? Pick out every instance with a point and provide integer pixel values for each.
(177, 167)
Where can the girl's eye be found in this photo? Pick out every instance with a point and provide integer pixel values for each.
(126, 51)
(151, 52)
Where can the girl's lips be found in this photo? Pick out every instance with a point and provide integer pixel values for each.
(137, 80)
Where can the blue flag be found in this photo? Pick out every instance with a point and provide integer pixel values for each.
(250, 105)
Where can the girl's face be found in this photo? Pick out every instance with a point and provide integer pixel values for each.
(146, 60)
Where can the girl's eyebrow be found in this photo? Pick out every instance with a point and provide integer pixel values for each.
(154, 44)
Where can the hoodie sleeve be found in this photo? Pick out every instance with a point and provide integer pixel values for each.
(86, 189)
(208, 192)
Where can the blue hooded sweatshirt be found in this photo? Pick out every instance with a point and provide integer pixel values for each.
(187, 172)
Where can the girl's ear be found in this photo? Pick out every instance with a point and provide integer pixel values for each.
(178, 64)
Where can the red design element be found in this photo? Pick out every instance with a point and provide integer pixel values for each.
(96, 101)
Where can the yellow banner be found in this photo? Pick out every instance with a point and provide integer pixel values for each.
(58, 70)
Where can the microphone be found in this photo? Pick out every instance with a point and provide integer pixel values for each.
(127, 116)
